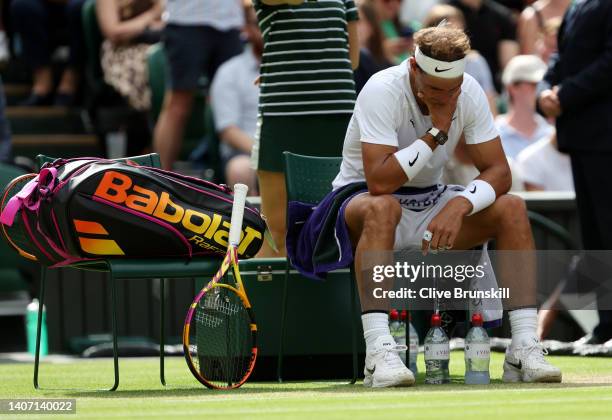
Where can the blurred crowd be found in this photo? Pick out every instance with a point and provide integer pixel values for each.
(214, 47)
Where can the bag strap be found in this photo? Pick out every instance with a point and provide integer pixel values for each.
(30, 195)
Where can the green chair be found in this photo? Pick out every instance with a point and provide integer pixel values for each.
(131, 269)
(11, 281)
(196, 128)
(93, 41)
(552, 228)
(308, 179)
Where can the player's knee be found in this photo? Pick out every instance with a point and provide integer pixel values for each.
(384, 211)
(512, 209)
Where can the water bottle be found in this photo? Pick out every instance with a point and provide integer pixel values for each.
(395, 326)
(413, 340)
(437, 353)
(477, 353)
(31, 320)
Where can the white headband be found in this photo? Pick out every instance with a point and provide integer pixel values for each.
(437, 68)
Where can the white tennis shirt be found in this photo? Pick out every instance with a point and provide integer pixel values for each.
(386, 113)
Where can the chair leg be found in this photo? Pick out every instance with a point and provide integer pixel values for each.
(113, 282)
(162, 332)
(41, 302)
(279, 367)
(353, 327)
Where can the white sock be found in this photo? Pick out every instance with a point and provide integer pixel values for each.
(374, 324)
(524, 324)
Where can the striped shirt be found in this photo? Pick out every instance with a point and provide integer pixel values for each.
(305, 66)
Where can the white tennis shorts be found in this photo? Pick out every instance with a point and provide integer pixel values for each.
(419, 207)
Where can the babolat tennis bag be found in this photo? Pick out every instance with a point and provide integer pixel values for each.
(85, 209)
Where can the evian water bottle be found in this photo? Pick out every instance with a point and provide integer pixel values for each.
(477, 353)
(437, 353)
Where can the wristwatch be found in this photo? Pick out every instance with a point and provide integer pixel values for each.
(439, 136)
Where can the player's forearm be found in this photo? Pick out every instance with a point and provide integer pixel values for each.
(390, 171)
(237, 139)
(500, 178)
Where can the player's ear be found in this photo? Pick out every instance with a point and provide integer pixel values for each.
(413, 64)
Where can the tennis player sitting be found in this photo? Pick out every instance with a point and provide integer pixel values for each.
(406, 124)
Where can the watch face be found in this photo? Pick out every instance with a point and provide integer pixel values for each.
(441, 138)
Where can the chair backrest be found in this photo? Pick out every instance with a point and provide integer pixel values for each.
(93, 39)
(309, 178)
(9, 257)
(152, 160)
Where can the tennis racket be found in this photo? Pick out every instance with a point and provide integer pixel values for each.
(219, 337)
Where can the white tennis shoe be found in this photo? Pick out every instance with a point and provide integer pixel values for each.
(383, 366)
(528, 364)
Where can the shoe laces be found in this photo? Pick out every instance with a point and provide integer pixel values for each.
(535, 353)
(391, 356)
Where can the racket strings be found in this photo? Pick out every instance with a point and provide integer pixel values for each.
(220, 329)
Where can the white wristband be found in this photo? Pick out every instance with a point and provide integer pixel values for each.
(480, 193)
(414, 157)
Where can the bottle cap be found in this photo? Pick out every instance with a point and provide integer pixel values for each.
(394, 315)
(436, 321)
(403, 315)
(477, 319)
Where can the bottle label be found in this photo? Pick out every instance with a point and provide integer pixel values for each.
(477, 351)
(414, 346)
(437, 351)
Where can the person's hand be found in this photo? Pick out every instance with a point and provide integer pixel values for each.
(446, 225)
(441, 112)
(549, 102)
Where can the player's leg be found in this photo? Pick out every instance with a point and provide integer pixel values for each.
(506, 221)
(371, 221)
(168, 135)
(187, 52)
(273, 206)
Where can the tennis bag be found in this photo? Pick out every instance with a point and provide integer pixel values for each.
(87, 208)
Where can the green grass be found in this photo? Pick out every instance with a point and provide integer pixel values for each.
(586, 392)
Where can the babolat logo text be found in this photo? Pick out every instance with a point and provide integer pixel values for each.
(119, 188)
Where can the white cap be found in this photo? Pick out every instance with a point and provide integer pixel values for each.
(524, 68)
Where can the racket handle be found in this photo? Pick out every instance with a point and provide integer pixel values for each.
(240, 193)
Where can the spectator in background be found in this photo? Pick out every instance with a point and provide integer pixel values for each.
(475, 65)
(234, 99)
(129, 27)
(577, 91)
(5, 130)
(5, 53)
(547, 44)
(307, 92)
(398, 38)
(532, 22)
(543, 167)
(413, 13)
(515, 6)
(492, 31)
(200, 35)
(372, 54)
(522, 125)
(39, 23)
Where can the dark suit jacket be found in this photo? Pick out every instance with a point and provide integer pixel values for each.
(583, 70)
